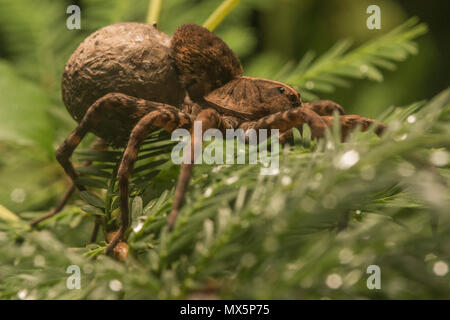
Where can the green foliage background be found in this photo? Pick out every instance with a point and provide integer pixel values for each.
(309, 232)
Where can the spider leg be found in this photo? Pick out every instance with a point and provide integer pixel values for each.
(125, 109)
(66, 150)
(286, 120)
(324, 107)
(166, 117)
(97, 144)
(348, 123)
(55, 210)
(209, 118)
(351, 121)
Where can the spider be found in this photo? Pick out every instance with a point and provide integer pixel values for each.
(218, 95)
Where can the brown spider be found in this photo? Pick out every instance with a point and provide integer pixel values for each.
(221, 97)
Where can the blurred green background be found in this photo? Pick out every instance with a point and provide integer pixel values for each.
(266, 34)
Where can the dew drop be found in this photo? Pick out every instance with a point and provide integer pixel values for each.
(402, 137)
(18, 195)
(334, 281)
(286, 180)
(440, 268)
(138, 227)
(309, 85)
(208, 192)
(22, 294)
(439, 158)
(347, 160)
(330, 145)
(115, 285)
(363, 68)
(231, 180)
(411, 119)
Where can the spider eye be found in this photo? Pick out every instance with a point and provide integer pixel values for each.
(294, 99)
(281, 89)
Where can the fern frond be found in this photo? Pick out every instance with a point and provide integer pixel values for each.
(331, 70)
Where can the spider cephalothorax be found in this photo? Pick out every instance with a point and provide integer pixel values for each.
(253, 98)
(127, 79)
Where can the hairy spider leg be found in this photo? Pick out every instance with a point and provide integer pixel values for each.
(209, 118)
(98, 144)
(104, 105)
(348, 123)
(55, 210)
(324, 107)
(327, 108)
(351, 121)
(127, 107)
(165, 117)
(286, 120)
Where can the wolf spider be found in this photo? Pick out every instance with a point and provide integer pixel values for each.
(221, 98)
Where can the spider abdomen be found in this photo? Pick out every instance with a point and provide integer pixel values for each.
(128, 58)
